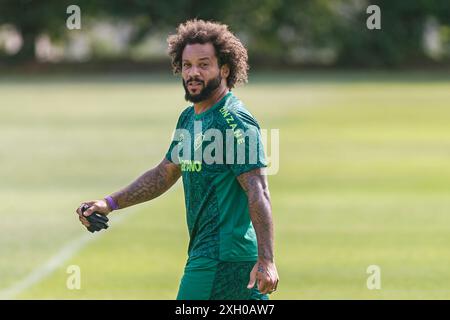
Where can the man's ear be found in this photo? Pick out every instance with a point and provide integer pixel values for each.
(225, 71)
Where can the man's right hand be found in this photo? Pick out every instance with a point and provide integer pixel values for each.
(100, 206)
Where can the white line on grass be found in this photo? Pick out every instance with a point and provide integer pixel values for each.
(66, 252)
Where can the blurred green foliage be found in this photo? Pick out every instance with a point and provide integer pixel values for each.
(275, 31)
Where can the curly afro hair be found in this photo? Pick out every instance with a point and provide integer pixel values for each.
(229, 49)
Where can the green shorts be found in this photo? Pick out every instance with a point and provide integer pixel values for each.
(208, 279)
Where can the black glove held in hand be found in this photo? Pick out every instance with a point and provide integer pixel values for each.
(96, 220)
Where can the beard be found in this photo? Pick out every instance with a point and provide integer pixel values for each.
(205, 93)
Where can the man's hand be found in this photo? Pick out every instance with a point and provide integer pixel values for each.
(265, 275)
(99, 206)
(148, 186)
(264, 272)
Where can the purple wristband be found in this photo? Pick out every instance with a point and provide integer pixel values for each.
(112, 204)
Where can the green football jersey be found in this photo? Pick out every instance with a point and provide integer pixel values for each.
(212, 149)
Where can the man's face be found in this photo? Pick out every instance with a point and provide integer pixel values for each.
(200, 71)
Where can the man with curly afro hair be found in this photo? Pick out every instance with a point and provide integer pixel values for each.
(217, 150)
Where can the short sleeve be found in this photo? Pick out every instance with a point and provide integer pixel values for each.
(176, 138)
(244, 147)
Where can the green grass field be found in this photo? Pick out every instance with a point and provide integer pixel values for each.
(364, 180)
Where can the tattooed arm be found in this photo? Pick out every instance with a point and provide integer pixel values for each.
(148, 186)
(264, 272)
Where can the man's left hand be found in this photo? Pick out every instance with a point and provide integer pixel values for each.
(265, 274)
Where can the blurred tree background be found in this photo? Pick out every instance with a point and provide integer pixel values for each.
(276, 32)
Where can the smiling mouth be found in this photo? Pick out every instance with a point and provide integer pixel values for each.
(194, 85)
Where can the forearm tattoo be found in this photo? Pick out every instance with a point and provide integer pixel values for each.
(148, 186)
(255, 185)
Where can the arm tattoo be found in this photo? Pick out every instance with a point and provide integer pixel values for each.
(148, 186)
(255, 185)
